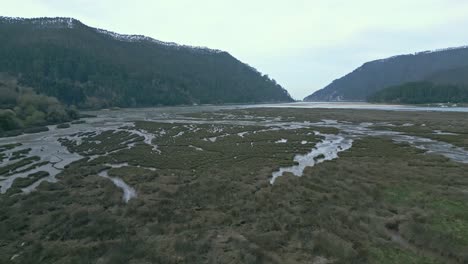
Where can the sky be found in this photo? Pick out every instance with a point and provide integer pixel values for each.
(302, 44)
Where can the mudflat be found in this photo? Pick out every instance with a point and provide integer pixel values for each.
(239, 185)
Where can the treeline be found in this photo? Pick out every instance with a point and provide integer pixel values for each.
(82, 66)
(23, 108)
(422, 93)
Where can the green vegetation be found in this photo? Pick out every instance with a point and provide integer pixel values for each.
(443, 67)
(64, 125)
(210, 201)
(18, 164)
(32, 178)
(421, 93)
(22, 110)
(82, 66)
(423, 124)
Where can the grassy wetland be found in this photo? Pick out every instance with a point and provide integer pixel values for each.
(374, 187)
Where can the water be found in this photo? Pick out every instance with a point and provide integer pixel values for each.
(46, 145)
(364, 106)
(327, 149)
(128, 192)
(331, 145)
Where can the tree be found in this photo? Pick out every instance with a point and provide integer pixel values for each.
(8, 120)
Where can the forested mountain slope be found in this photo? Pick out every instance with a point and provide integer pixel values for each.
(90, 67)
(421, 93)
(443, 66)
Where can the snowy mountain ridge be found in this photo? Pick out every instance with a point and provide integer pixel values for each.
(67, 22)
(42, 22)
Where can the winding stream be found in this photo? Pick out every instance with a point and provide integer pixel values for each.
(327, 149)
(54, 157)
(128, 192)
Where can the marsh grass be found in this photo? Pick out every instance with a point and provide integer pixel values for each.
(18, 164)
(216, 205)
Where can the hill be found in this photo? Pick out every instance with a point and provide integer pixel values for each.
(441, 66)
(456, 76)
(90, 67)
(421, 93)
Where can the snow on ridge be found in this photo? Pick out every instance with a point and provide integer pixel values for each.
(141, 38)
(422, 53)
(440, 50)
(56, 22)
(65, 22)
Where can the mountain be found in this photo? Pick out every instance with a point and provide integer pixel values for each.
(456, 76)
(91, 67)
(440, 66)
(421, 93)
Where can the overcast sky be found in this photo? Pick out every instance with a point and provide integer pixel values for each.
(303, 44)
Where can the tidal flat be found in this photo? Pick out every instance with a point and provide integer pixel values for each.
(239, 185)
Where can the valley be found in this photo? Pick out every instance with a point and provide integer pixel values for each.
(238, 184)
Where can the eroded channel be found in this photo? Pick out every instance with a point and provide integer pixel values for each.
(47, 154)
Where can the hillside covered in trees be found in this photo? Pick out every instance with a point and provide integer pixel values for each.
(447, 66)
(422, 93)
(94, 68)
(21, 108)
